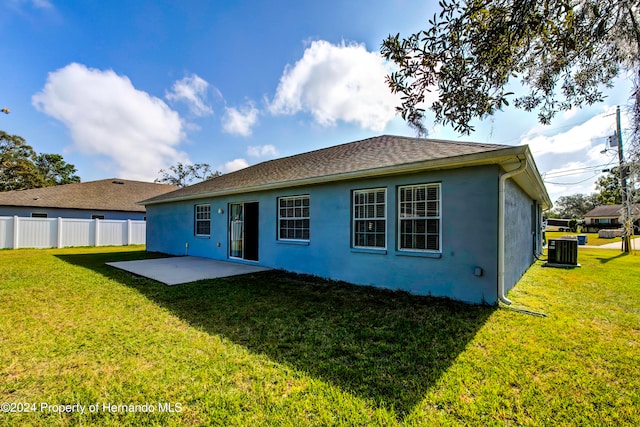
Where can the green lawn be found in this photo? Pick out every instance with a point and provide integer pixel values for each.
(593, 239)
(280, 349)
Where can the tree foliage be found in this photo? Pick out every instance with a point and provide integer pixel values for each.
(54, 170)
(575, 206)
(22, 168)
(182, 175)
(563, 52)
(608, 187)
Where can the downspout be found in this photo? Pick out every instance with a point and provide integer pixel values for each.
(501, 237)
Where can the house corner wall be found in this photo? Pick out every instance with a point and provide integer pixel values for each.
(521, 217)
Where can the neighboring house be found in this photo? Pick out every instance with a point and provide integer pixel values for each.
(608, 216)
(415, 214)
(112, 198)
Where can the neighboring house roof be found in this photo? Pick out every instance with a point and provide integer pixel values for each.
(112, 194)
(610, 211)
(375, 156)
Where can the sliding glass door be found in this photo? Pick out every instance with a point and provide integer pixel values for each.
(243, 230)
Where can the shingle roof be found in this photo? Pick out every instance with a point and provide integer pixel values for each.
(610, 211)
(108, 195)
(359, 156)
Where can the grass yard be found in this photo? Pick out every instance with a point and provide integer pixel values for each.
(592, 238)
(279, 349)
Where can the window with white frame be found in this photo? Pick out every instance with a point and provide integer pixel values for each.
(369, 218)
(419, 217)
(203, 220)
(293, 218)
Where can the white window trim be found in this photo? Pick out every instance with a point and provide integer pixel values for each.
(400, 219)
(354, 219)
(196, 220)
(288, 239)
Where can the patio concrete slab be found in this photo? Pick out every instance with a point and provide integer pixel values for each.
(176, 270)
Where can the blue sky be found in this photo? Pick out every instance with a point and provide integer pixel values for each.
(125, 88)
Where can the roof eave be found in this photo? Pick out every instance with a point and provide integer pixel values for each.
(506, 156)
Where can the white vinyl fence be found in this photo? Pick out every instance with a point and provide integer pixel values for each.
(18, 232)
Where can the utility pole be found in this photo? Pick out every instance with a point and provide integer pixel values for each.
(623, 187)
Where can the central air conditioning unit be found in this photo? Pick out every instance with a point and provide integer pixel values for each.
(562, 252)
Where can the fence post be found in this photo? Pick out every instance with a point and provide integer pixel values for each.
(15, 232)
(59, 232)
(97, 230)
(129, 232)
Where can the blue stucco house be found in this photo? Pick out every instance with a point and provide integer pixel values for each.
(432, 217)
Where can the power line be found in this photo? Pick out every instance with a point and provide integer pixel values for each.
(577, 171)
(570, 171)
(571, 183)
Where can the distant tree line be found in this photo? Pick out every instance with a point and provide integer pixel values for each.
(22, 168)
(182, 175)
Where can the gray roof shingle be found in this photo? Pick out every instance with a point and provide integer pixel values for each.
(610, 211)
(112, 194)
(359, 156)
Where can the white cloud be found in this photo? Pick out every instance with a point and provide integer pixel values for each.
(108, 117)
(42, 4)
(262, 151)
(578, 138)
(235, 165)
(334, 83)
(191, 90)
(36, 4)
(240, 121)
(598, 154)
(570, 113)
(572, 160)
